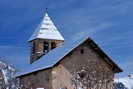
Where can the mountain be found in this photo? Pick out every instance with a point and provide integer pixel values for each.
(7, 79)
(124, 83)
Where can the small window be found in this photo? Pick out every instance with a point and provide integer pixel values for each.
(46, 47)
(33, 47)
(82, 51)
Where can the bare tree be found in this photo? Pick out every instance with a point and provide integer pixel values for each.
(91, 77)
(119, 85)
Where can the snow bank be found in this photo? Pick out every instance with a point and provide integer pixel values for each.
(126, 81)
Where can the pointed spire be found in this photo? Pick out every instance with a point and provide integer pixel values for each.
(47, 30)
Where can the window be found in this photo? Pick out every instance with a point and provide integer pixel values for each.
(82, 51)
(33, 47)
(46, 47)
(53, 45)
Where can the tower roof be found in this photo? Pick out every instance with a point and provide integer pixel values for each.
(46, 30)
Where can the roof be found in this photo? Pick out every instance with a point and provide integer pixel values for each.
(46, 30)
(54, 56)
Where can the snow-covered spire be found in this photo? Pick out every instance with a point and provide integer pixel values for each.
(46, 30)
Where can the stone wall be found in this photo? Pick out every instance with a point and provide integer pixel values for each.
(40, 79)
(82, 68)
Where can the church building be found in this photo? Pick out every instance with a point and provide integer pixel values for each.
(57, 64)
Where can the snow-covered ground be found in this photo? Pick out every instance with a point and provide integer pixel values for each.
(126, 81)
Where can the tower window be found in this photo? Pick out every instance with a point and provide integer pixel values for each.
(33, 47)
(46, 47)
(82, 51)
(53, 45)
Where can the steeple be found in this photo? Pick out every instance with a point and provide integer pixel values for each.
(45, 38)
(47, 30)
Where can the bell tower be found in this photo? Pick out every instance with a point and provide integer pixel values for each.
(45, 38)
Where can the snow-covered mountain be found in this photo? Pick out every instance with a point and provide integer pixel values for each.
(7, 76)
(124, 83)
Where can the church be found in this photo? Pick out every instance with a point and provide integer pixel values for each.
(57, 64)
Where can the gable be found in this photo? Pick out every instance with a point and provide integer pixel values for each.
(92, 51)
(105, 57)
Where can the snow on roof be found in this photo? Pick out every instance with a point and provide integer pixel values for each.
(52, 57)
(46, 30)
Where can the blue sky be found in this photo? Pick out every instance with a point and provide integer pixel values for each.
(108, 22)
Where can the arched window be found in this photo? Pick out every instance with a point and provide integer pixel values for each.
(45, 47)
(53, 45)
